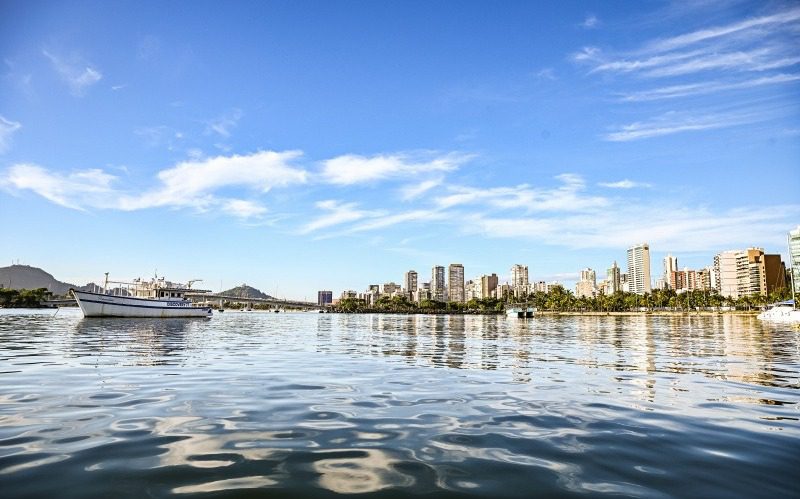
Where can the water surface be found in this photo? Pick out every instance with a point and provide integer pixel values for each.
(316, 405)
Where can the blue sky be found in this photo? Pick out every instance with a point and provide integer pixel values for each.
(299, 146)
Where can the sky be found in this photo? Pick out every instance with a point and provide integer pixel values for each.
(300, 146)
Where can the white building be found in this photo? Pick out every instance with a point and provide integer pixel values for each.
(613, 279)
(639, 268)
(670, 266)
(794, 257)
(725, 274)
(519, 278)
(587, 286)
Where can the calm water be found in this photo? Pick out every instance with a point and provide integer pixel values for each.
(251, 404)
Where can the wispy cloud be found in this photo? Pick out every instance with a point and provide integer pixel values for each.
(772, 21)
(680, 227)
(414, 191)
(224, 124)
(591, 21)
(353, 169)
(7, 129)
(624, 184)
(78, 74)
(673, 122)
(190, 184)
(566, 197)
(76, 190)
(706, 87)
(337, 213)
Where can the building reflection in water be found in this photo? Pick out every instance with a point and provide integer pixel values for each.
(648, 347)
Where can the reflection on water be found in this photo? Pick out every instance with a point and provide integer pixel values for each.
(304, 404)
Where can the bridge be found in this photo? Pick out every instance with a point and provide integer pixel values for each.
(273, 302)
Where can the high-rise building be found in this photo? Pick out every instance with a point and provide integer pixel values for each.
(324, 298)
(410, 281)
(758, 273)
(725, 280)
(437, 283)
(390, 288)
(670, 266)
(794, 257)
(488, 285)
(455, 282)
(519, 276)
(639, 268)
(587, 286)
(613, 279)
(589, 275)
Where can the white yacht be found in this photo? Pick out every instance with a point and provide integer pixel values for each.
(781, 312)
(154, 298)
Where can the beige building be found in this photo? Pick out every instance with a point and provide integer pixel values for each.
(455, 282)
(488, 286)
(437, 283)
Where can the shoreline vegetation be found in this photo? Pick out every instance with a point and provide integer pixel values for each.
(563, 301)
(558, 301)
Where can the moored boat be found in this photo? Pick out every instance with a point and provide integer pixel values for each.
(783, 312)
(155, 298)
(520, 312)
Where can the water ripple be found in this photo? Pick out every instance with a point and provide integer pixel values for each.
(319, 404)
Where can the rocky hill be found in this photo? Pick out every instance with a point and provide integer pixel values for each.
(245, 291)
(27, 277)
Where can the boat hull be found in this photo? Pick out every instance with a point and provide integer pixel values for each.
(782, 315)
(100, 305)
(520, 313)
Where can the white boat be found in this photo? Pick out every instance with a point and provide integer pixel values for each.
(155, 298)
(520, 312)
(783, 312)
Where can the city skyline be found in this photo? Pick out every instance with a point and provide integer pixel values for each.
(344, 142)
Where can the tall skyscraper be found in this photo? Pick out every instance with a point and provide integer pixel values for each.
(670, 266)
(639, 268)
(725, 274)
(519, 276)
(455, 282)
(614, 279)
(437, 283)
(410, 281)
(794, 257)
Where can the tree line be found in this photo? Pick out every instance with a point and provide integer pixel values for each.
(559, 299)
(23, 298)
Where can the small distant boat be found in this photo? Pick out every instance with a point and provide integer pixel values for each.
(154, 298)
(783, 312)
(520, 312)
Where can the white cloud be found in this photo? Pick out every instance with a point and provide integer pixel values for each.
(673, 227)
(706, 87)
(77, 74)
(190, 184)
(7, 129)
(623, 184)
(223, 125)
(703, 35)
(671, 123)
(567, 197)
(354, 169)
(414, 191)
(590, 21)
(75, 190)
(243, 209)
(337, 214)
